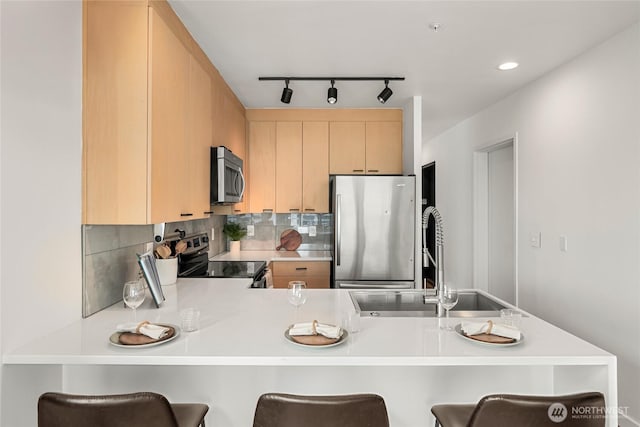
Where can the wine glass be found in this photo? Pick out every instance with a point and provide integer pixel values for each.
(297, 295)
(133, 295)
(448, 300)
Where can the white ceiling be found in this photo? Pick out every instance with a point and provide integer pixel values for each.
(454, 69)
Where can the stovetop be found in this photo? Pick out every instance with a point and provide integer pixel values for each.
(233, 269)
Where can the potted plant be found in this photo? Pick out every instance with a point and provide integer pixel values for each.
(234, 232)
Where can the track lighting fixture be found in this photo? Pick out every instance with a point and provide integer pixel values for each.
(332, 93)
(286, 93)
(386, 93)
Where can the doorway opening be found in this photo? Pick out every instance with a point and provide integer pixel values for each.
(429, 199)
(495, 220)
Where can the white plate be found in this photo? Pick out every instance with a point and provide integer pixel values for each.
(459, 332)
(114, 338)
(343, 337)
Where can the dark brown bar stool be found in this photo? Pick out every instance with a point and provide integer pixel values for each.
(508, 410)
(287, 410)
(143, 409)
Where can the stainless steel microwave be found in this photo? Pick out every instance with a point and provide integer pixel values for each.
(227, 179)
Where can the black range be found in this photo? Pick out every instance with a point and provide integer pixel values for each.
(194, 263)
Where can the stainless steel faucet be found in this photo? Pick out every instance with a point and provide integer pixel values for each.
(439, 261)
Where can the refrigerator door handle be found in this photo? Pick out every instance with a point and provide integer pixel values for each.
(338, 200)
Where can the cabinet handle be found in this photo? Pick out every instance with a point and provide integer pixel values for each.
(267, 210)
(301, 268)
(294, 210)
(186, 214)
(208, 212)
(358, 170)
(237, 210)
(374, 170)
(309, 209)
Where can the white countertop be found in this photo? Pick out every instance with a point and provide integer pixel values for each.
(241, 326)
(269, 256)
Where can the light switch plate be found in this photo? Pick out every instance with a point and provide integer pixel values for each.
(251, 231)
(564, 244)
(535, 239)
(312, 231)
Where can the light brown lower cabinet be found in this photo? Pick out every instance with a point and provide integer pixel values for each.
(315, 273)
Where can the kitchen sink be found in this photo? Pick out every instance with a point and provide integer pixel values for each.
(409, 303)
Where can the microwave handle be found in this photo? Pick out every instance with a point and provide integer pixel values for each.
(243, 184)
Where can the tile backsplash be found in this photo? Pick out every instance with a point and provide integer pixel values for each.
(269, 226)
(109, 256)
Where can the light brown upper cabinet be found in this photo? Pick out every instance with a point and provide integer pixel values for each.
(371, 147)
(199, 137)
(148, 110)
(288, 166)
(262, 172)
(383, 148)
(115, 173)
(169, 65)
(315, 167)
(237, 143)
(347, 147)
(308, 145)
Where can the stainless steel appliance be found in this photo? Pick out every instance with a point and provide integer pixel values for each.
(227, 179)
(194, 262)
(374, 228)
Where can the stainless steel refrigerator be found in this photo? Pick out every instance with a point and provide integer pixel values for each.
(373, 231)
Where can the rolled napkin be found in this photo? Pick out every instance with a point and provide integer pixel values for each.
(315, 328)
(145, 328)
(490, 328)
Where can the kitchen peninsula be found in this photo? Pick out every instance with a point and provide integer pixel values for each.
(240, 352)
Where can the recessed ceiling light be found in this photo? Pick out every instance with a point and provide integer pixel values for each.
(507, 66)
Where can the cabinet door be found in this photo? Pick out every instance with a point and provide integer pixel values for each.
(347, 147)
(315, 167)
(262, 173)
(115, 113)
(199, 139)
(384, 148)
(288, 167)
(236, 134)
(169, 76)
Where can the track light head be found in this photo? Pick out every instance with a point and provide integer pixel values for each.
(386, 93)
(332, 94)
(286, 93)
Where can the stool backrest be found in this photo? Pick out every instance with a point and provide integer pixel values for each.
(506, 410)
(286, 410)
(123, 410)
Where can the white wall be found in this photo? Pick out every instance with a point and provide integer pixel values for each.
(578, 129)
(41, 151)
(411, 158)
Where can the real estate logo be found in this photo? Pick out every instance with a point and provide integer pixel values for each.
(557, 412)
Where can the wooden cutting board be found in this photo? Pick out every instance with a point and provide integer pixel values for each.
(290, 240)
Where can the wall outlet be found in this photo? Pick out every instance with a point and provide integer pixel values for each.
(251, 230)
(535, 239)
(312, 231)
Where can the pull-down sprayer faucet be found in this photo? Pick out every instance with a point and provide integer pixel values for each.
(439, 261)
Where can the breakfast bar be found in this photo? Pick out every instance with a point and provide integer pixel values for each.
(240, 351)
